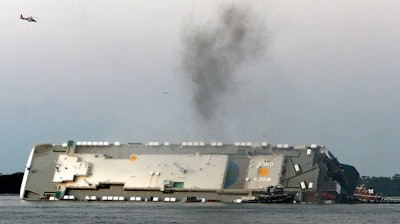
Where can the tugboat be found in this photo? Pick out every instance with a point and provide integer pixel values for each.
(273, 194)
(363, 195)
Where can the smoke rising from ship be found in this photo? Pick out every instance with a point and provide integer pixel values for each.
(213, 53)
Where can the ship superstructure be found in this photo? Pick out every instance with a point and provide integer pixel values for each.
(161, 171)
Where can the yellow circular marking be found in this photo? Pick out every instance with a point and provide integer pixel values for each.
(263, 171)
(132, 158)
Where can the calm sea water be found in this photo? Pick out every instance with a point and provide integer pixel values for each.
(13, 210)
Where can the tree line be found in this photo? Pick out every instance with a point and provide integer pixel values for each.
(384, 186)
(11, 183)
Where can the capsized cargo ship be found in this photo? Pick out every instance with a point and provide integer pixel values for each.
(162, 171)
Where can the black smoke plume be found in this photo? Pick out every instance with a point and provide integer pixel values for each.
(212, 53)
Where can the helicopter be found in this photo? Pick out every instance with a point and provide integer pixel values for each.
(29, 19)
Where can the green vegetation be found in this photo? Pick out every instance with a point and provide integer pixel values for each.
(384, 186)
(11, 183)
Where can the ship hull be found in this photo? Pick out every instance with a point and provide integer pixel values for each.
(169, 172)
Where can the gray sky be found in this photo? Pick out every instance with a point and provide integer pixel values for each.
(98, 70)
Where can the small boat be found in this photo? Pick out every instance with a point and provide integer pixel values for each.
(364, 195)
(193, 199)
(273, 194)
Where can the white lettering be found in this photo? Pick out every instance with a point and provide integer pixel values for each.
(269, 164)
(262, 179)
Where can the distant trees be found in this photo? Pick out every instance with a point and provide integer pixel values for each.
(10, 184)
(385, 186)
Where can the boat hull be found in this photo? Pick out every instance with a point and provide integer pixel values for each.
(215, 172)
(287, 198)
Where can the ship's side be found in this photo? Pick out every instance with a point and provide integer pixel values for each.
(157, 171)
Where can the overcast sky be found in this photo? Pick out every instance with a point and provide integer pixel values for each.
(324, 72)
